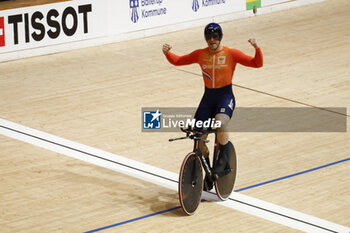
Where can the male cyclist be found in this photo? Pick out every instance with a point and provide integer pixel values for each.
(218, 64)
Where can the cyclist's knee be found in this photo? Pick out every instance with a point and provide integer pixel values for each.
(223, 137)
(224, 119)
(204, 149)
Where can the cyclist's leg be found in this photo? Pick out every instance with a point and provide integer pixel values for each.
(203, 147)
(203, 113)
(225, 105)
(222, 134)
(224, 114)
(208, 183)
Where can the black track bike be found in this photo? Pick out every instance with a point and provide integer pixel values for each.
(191, 172)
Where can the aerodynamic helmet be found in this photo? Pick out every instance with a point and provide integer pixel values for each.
(213, 30)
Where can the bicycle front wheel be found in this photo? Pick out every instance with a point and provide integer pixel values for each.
(190, 183)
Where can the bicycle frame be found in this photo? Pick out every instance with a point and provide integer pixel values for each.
(197, 137)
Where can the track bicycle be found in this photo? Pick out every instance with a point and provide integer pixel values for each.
(191, 172)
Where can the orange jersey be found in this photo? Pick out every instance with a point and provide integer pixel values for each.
(217, 68)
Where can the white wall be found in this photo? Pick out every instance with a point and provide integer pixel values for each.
(63, 26)
(272, 2)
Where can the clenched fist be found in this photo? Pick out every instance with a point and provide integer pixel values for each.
(166, 48)
(252, 41)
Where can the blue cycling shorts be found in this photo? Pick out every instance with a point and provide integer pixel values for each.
(214, 101)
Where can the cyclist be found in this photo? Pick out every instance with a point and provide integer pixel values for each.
(218, 64)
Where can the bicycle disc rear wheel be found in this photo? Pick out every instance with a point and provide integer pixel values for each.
(224, 185)
(190, 183)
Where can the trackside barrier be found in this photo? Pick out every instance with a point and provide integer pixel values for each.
(62, 26)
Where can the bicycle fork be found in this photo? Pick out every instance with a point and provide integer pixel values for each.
(203, 161)
(205, 166)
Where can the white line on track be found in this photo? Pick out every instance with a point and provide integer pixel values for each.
(237, 201)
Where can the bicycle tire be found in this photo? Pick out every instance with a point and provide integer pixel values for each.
(190, 183)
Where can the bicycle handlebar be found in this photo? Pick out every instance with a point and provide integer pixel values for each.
(174, 139)
(195, 134)
(199, 131)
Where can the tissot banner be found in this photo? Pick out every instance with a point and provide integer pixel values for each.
(51, 24)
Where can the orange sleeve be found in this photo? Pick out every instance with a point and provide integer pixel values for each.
(241, 58)
(182, 60)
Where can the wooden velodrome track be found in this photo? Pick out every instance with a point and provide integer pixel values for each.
(94, 96)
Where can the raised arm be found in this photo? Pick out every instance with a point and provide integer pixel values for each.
(180, 60)
(241, 58)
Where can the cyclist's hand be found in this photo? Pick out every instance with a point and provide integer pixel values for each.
(166, 48)
(252, 41)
